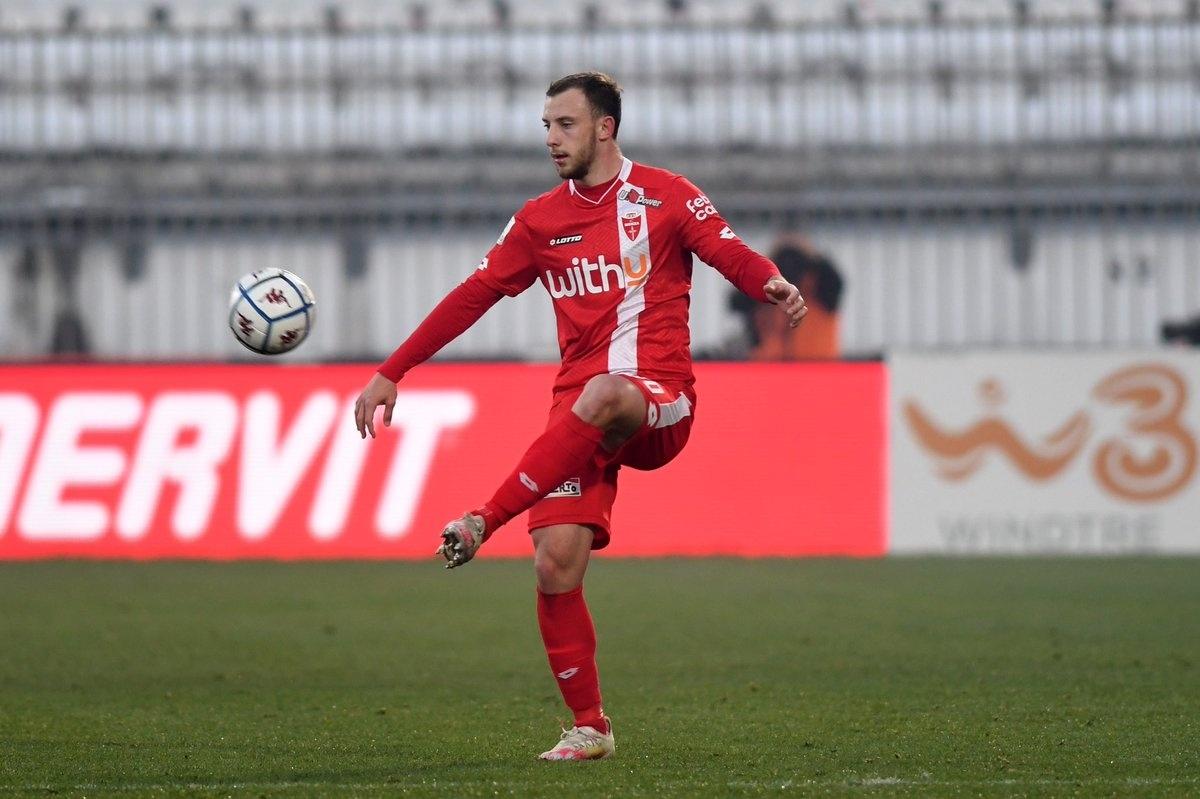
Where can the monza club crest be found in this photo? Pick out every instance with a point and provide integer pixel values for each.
(632, 223)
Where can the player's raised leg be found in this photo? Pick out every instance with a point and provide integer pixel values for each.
(561, 554)
(607, 412)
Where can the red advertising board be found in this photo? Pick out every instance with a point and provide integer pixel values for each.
(227, 461)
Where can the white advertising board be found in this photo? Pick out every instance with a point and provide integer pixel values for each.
(1027, 453)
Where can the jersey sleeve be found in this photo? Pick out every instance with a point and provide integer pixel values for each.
(509, 265)
(460, 309)
(706, 233)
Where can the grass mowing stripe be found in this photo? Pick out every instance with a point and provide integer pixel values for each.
(725, 677)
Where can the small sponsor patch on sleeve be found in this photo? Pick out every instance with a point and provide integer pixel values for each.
(569, 488)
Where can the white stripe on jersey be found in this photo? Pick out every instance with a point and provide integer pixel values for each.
(635, 260)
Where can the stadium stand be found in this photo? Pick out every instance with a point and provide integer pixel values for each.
(1037, 159)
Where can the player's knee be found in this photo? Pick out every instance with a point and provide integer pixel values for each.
(556, 569)
(548, 572)
(607, 399)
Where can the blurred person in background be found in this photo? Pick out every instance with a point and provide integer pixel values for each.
(1186, 331)
(769, 337)
(612, 244)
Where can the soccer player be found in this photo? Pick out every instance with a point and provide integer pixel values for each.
(613, 247)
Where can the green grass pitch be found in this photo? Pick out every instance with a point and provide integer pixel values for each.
(903, 677)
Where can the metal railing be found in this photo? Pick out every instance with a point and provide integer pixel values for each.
(913, 281)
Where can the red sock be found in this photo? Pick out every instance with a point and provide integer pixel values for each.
(570, 642)
(557, 455)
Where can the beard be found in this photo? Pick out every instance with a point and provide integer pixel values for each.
(581, 166)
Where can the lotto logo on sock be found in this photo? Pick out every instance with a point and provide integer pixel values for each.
(528, 482)
(569, 488)
(568, 674)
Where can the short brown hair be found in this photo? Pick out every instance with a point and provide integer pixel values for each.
(602, 92)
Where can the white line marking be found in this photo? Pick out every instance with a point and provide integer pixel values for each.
(865, 782)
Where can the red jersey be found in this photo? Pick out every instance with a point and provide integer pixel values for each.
(618, 270)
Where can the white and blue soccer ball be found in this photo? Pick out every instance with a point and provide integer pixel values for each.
(271, 311)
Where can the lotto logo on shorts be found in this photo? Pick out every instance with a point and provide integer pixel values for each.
(570, 488)
(651, 415)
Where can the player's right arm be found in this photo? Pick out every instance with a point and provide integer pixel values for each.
(507, 270)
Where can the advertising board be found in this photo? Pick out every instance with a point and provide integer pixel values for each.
(1090, 453)
(225, 461)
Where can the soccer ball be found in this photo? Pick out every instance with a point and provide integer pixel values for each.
(271, 311)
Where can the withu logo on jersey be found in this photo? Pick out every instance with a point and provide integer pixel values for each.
(593, 277)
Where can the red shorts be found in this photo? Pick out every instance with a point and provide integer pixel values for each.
(588, 498)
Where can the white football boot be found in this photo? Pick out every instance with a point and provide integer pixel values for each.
(583, 743)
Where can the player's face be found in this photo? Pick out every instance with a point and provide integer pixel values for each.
(570, 133)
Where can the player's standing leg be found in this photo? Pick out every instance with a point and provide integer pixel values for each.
(607, 412)
(561, 554)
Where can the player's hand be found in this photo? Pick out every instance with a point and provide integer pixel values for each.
(787, 297)
(380, 391)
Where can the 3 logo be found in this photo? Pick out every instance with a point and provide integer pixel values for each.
(1152, 458)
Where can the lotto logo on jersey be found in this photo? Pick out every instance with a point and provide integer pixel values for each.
(597, 277)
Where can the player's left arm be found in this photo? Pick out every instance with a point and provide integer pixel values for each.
(706, 233)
